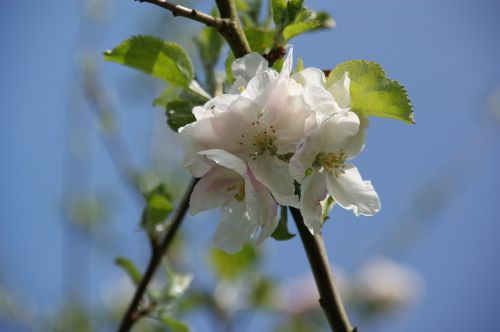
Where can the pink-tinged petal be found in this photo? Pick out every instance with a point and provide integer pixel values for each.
(313, 191)
(340, 91)
(260, 204)
(291, 117)
(235, 227)
(352, 193)
(310, 77)
(212, 190)
(214, 106)
(274, 174)
(226, 159)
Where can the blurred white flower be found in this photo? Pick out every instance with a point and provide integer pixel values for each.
(385, 286)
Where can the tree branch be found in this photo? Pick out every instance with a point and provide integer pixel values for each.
(228, 25)
(330, 299)
(133, 311)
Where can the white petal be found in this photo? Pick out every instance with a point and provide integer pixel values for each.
(226, 159)
(310, 77)
(249, 65)
(336, 132)
(340, 91)
(321, 101)
(286, 70)
(274, 174)
(313, 191)
(296, 168)
(239, 85)
(211, 191)
(260, 204)
(214, 106)
(259, 87)
(235, 228)
(191, 144)
(352, 193)
(357, 143)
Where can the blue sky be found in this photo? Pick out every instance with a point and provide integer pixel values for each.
(447, 55)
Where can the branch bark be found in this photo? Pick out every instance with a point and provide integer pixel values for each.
(133, 312)
(330, 299)
(228, 25)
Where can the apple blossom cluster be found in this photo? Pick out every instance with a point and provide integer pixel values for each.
(275, 139)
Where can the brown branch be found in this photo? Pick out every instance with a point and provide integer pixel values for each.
(330, 299)
(133, 312)
(228, 25)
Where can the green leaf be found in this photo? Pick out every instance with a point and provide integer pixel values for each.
(230, 266)
(285, 12)
(260, 40)
(173, 324)
(296, 29)
(281, 232)
(262, 293)
(179, 114)
(300, 65)
(372, 93)
(158, 208)
(279, 10)
(227, 65)
(129, 267)
(164, 60)
(209, 43)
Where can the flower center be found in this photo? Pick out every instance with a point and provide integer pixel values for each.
(263, 140)
(332, 162)
(239, 191)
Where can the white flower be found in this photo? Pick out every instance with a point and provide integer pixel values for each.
(324, 155)
(386, 285)
(266, 121)
(246, 203)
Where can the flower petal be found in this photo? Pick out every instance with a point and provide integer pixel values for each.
(340, 91)
(235, 228)
(286, 70)
(321, 101)
(267, 230)
(212, 190)
(259, 87)
(226, 159)
(214, 106)
(274, 174)
(260, 204)
(249, 65)
(337, 131)
(313, 191)
(310, 77)
(352, 193)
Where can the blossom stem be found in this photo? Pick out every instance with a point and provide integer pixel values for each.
(330, 299)
(228, 25)
(134, 312)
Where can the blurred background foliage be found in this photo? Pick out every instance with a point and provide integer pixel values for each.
(200, 287)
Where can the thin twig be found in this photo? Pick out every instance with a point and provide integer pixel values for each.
(330, 299)
(133, 311)
(228, 25)
(196, 15)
